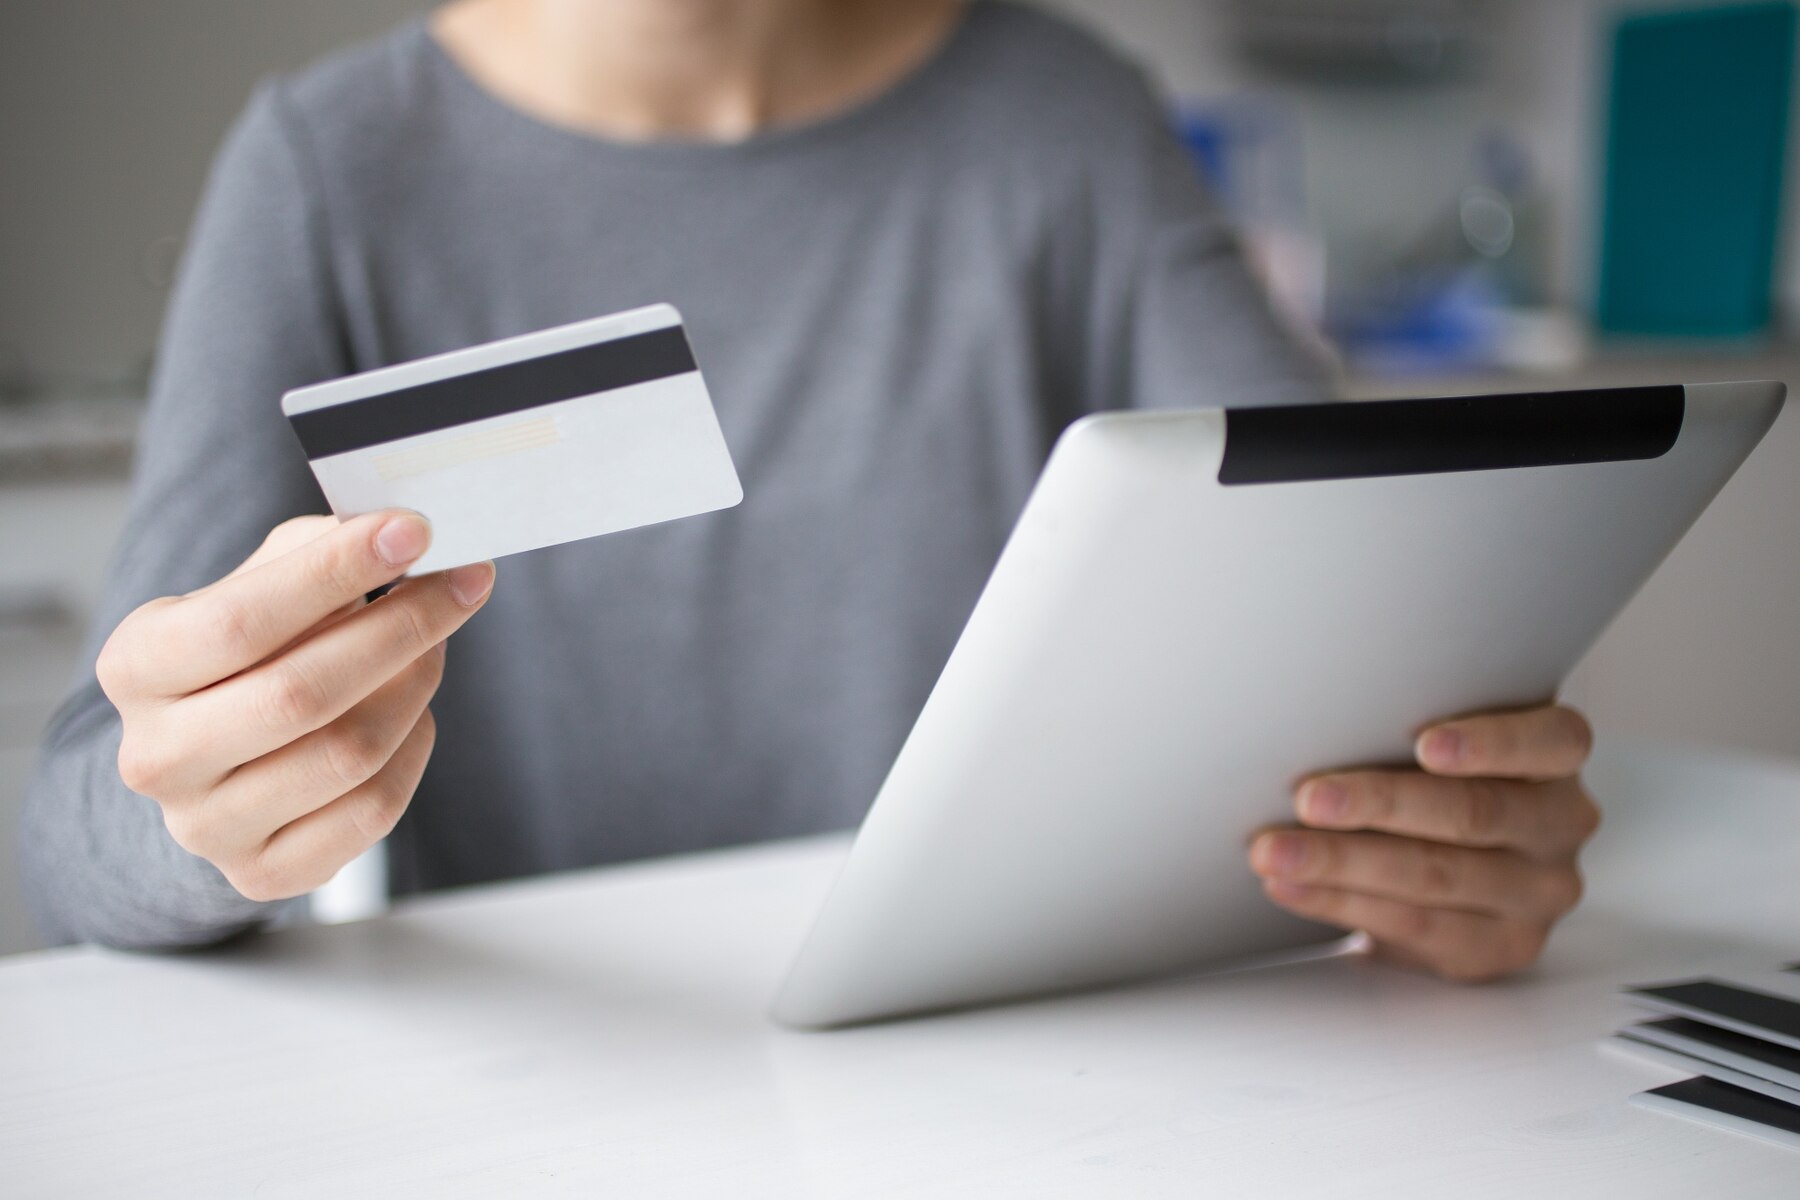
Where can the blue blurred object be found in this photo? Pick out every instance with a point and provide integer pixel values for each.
(1696, 150)
(1207, 140)
(1422, 323)
(1247, 149)
(1446, 297)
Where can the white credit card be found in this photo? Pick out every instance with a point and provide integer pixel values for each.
(1712, 1102)
(532, 441)
(1627, 1041)
(1752, 1012)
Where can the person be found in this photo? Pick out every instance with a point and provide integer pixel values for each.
(913, 239)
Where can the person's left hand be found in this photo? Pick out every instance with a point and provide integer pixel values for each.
(1460, 868)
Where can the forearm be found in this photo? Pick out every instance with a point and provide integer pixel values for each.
(99, 866)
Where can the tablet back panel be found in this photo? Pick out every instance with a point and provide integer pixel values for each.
(1195, 610)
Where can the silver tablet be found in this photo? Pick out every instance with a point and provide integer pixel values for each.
(1198, 608)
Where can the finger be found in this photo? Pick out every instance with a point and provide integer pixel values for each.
(291, 534)
(305, 775)
(1540, 743)
(117, 674)
(1464, 946)
(1431, 874)
(305, 854)
(219, 813)
(187, 643)
(1546, 820)
(320, 679)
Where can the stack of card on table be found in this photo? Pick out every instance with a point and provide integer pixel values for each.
(1741, 1038)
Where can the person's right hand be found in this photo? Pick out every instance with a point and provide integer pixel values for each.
(278, 719)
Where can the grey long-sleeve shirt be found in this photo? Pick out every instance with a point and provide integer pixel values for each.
(898, 308)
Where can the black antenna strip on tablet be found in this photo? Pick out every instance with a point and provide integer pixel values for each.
(1428, 437)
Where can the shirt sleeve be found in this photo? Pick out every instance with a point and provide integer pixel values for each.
(252, 315)
(1206, 333)
(1175, 317)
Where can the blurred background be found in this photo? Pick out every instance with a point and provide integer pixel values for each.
(1449, 195)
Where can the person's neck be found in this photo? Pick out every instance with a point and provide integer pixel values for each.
(717, 70)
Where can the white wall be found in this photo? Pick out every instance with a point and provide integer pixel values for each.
(109, 113)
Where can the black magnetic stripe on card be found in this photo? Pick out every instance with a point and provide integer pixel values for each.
(1778, 1015)
(494, 392)
(1732, 1101)
(1363, 439)
(1711, 1037)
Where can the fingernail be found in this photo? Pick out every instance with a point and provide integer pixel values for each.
(1442, 748)
(472, 583)
(1322, 800)
(402, 539)
(1281, 853)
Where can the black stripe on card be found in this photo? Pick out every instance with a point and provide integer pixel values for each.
(494, 392)
(1732, 1101)
(1465, 433)
(1689, 1032)
(1761, 1010)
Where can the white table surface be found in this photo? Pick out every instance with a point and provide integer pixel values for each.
(601, 1033)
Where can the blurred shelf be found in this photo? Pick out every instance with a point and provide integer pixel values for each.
(68, 438)
(1609, 367)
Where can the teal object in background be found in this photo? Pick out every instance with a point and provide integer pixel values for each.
(1696, 150)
